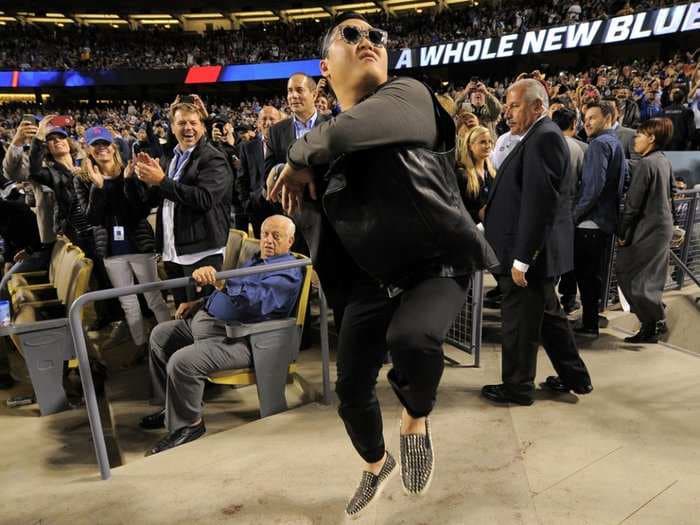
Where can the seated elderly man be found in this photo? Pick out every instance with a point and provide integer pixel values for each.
(185, 351)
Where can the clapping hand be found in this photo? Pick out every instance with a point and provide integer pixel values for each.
(148, 170)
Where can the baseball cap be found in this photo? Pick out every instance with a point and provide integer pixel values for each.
(98, 133)
(55, 130)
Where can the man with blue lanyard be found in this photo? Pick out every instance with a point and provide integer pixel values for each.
(185, 351)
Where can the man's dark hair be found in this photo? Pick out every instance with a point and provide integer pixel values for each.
(309, 81)
(605, 108)
(564, 118)
(677, 96)
(343, 17)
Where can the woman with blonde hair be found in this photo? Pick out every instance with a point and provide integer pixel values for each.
(129, 250)
(475, 169)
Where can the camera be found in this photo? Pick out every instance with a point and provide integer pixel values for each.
(187, 99)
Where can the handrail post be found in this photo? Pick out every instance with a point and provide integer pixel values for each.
(98, 440)
(325, 350)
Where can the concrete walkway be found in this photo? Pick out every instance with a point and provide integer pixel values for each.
(628, 453)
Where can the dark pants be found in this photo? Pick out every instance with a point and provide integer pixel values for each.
(590, 250)
(567, 287)
(530, 315)
(412, 328)
(190, 293)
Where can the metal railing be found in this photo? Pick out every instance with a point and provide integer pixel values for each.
(75, 321)
(684, 263)
(465, 332)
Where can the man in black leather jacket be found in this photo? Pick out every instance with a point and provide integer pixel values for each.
(377, 260)
(193, 191)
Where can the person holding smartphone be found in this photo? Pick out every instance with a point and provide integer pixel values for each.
(53, 162)
(129, 255)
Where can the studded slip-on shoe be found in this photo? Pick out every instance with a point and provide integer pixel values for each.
(417, 461)
(370, 488)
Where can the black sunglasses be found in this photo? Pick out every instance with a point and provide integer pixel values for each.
(352, 35)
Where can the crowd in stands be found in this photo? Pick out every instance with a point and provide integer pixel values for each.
(55, 48)
(108, 166)
(643, 89)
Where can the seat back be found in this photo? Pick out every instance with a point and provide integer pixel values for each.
(303, 301)
(235, 241)
(80, 280)
(66, 271)
(249, 248)
(57, 253)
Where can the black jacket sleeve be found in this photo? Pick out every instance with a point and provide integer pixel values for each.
(91, 200)
(213, 178)
(37, 172)
(545, 167)
(242, 185)
(275, 153)
(399, 112)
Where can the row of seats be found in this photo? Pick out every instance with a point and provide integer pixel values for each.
(38, 297)
(40, 304)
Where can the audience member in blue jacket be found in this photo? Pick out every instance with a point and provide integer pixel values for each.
(185, 351)
(597, 207)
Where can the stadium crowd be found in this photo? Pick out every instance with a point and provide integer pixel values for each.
(589, 142)
(58, 48)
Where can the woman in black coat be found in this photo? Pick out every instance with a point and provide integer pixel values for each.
(645, 231)
(53, 162)
(129, 252)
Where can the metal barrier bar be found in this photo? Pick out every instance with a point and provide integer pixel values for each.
(687, 213)
(74, 317)
(465, 332)
(325, 348)
(685, 268)
(477, 315)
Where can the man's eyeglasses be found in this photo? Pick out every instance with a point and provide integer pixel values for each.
(352, 35)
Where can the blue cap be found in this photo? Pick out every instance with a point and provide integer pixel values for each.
(55, 130)
(96, 133)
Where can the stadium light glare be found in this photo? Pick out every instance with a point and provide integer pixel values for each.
(260, 19)
(418, 5)
(147, 17)
(353, 7)
(195, 16)
(165, 21)
(113, 23)
(8, 19)
(304, 10)
(309, 15)
(45, 20)
(245, 14)
(55, 15)
(95, 16)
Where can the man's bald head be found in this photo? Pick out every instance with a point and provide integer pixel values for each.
(276, 236)
(268, 117)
